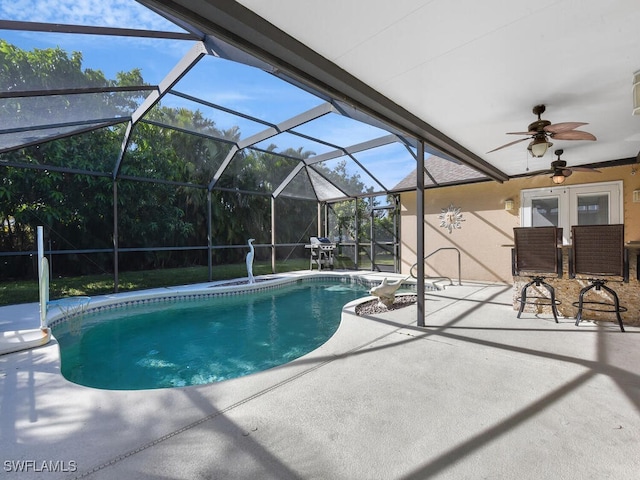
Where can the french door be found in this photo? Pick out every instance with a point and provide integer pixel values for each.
(564, 206)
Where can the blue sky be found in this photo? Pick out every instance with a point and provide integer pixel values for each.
(108, 56)
(238, 87)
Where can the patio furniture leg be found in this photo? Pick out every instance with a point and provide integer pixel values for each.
(538, 282)
(581, 301)
(552, 294)
(616, 303)
(523, 297)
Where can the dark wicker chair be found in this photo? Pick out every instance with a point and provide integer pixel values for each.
(598, 250)
(536, 252)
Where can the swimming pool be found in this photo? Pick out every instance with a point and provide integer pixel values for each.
(180, 343)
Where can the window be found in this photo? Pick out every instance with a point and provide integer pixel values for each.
(593, 209)
(590, 204)
(544, 211)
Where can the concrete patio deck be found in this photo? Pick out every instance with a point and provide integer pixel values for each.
(475, 394)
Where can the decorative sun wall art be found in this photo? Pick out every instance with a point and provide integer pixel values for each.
(451, 218)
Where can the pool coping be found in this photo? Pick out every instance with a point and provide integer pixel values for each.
(60, 323)
(56, 316)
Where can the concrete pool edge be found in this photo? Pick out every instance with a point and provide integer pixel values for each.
(214, 335)
(211, 289)
(14, 318)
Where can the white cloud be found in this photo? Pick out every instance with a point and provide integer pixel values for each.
(228, 98)
(108, 13)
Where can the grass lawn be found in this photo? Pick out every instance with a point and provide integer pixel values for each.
(26, 291)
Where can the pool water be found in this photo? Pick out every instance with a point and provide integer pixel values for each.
(174, 344)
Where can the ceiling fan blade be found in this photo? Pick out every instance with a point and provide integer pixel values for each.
(539, 172)
(521, 133)
(563, 127)
(573, 135)
(585, 169)
(509, 144)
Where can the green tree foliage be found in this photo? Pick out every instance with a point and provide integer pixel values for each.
(54, 69)
(46, 69)
(76, 209)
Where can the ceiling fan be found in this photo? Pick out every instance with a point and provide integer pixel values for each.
(541, 131)
(559, 170)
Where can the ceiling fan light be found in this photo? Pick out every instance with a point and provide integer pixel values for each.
(539, 147)
(558, 178)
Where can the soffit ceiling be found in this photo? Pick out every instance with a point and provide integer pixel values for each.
(474, 70)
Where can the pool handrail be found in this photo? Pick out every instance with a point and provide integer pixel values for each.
(414, 266)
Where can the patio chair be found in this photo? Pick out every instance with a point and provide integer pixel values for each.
(598, 250)
(536, 252)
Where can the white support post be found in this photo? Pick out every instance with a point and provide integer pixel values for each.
(43, 297)
(40, 233)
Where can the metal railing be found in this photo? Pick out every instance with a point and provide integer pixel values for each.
(413, 270)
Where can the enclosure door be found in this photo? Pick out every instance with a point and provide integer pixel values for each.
(384, 239)
(367, 233)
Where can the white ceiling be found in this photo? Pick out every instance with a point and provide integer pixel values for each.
(474, 69)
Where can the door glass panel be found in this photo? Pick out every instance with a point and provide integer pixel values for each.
(544, 212)
(593, 209)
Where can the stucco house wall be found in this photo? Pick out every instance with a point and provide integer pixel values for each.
(487, 227)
